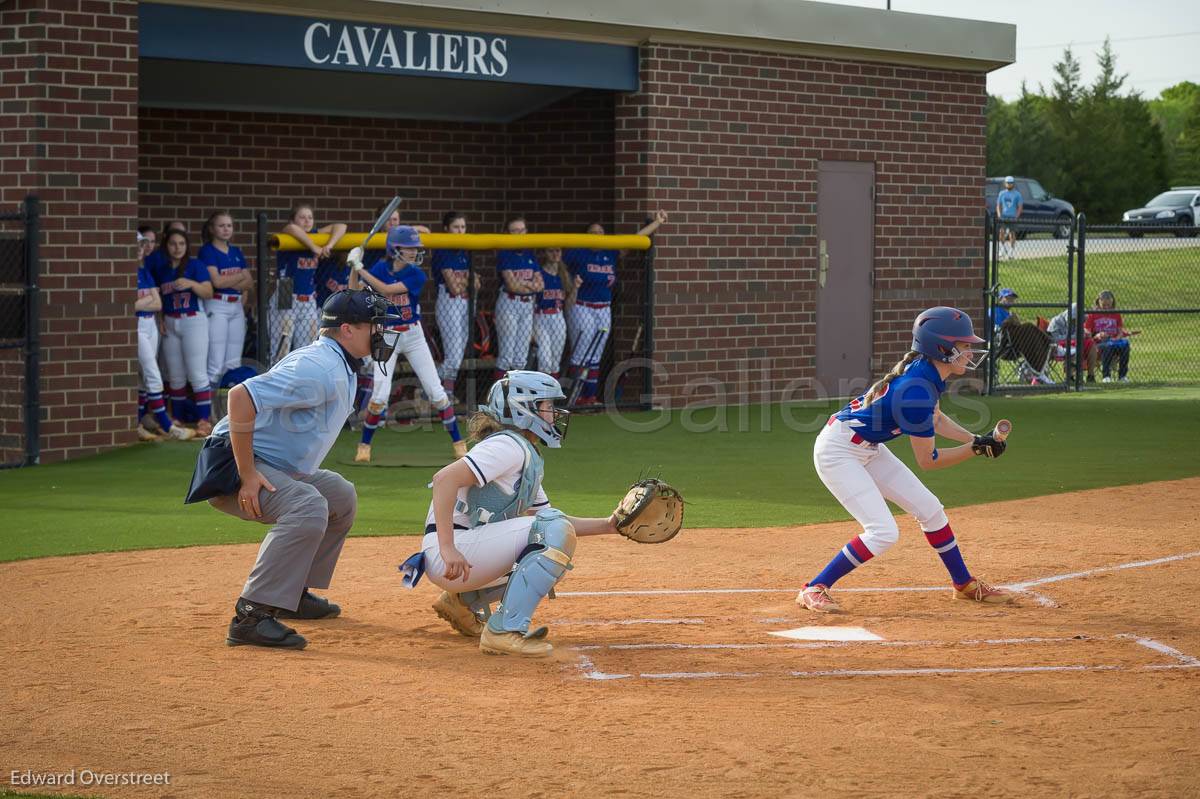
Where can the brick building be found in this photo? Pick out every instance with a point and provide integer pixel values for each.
(821, 164)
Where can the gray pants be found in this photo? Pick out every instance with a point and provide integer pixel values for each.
(310, 516)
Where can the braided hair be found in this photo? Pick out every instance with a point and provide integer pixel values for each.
(881, 385)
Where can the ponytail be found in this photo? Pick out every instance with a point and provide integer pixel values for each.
(480, 426)
(881, 386)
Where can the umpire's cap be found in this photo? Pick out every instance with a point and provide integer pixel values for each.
(355, 306)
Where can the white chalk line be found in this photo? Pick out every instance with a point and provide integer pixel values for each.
(1159, 646)
(1021, 586)
(826, 644)
(624, 622)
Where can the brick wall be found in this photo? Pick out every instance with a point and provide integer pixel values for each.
(68, 132)
(728, 142)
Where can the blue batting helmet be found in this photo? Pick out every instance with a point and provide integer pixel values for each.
(403, 237)
(938, 332)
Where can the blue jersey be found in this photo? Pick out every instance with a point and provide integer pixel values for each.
(521, 263)
(155, 261)
(301, 267)
(407, 306)
(1009, 200)
(331, 281)
(905, 407)
(175, 302)
(550, 300)
(145, 284)
(598, 271)
(226, 264)
(454, 260)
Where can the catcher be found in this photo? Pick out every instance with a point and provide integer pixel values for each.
(491, 533)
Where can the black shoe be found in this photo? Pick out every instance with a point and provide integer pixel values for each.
(256, 625)
(1091, 378)
(311, 607)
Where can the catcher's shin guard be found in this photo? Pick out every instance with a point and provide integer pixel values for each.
(543, 563)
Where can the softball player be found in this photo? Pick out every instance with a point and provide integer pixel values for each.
(549, 323)
(590, 319)
(521, 277)
(184, 282)
(489, 512)
(855, 465)
(150, 392)
(400, 280)
(300, 268)
(451, 271)
(229, 276)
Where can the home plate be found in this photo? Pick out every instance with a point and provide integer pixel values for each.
(829, 634)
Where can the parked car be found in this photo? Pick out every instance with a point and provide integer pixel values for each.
(1040, 205)
(1178, 207)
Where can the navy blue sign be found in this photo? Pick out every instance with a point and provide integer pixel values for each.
(243, 37)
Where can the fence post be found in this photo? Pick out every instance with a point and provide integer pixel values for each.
(33, 449)
(1080, 283)
(262, 331)
(989, 279)
(648, 332)
(469, 377)
(1074, 381)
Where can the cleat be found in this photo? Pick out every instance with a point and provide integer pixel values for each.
(817, 599)
(146, 435)
(513, 643)
(451, 608)
(311, 607)
(364, 454)
(180, 433)
(979, 591)
(460, 449)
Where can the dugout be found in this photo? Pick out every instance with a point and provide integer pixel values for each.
(792, 143)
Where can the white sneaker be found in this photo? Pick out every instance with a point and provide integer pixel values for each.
(1106, 380)
(1124, 379)
(181, 433)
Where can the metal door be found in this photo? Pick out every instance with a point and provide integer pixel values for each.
(845, 275)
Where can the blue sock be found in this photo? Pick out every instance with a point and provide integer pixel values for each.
(851, 556)
(946, 545)
(450, 422)
(370, 425)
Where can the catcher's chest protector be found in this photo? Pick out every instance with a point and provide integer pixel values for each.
(490, 503)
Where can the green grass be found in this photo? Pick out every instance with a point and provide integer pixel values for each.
(739, 476)
(1168, 349)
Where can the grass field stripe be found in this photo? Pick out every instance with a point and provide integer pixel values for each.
(1159, 646)
(1137, 564)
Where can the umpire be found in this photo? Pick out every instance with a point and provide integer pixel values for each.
(261, 464)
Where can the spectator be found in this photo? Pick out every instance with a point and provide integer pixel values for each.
(1009, 207)
(1021, 340)
(295, 295)
(1107, 330)
(229, 276)
(1062, 332)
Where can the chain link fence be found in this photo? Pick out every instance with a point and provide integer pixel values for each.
(1139, 291)
(19, 348)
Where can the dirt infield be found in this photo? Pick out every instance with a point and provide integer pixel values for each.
(1091, 686)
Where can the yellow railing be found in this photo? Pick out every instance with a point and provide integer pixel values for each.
(477, 241)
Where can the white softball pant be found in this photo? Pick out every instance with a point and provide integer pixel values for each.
(453, 324)
(148, 354)
(303, 316)
(863, 477)
(586, 348)
(226, 337)
(410, 343)
(491, 549)
(550, 330)
(185, 348)
(514, 325)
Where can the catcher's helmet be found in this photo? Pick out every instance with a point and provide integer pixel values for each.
(939, 333)
(512, 400)
(403, 237)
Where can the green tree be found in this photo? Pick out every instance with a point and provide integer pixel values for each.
(1174, 111)
(1187, 151)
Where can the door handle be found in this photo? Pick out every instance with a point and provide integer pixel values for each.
(823, 264)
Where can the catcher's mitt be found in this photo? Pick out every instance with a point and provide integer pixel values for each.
(650, 512)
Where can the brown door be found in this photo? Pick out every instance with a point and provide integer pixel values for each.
(845, 264)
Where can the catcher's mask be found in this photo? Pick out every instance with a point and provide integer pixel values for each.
(513, 400)
(361, 306)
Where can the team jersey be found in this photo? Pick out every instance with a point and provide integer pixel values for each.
(1109, 322)
(550, 300)
(406, 305)
(521, 263)
(454, 260)
(226, 264)
(905, 407)
(155, 260)
(145, 285)
(331, 281)
(498, 460)
(1009, 201)
(301, 267)
(597, 269)
(175, 302)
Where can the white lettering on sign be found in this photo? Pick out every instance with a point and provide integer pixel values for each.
(421, 51)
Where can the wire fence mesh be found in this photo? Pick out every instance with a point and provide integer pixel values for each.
(18, 336)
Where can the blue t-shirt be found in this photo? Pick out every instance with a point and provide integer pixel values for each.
(552, 296)
(175, 302)
(521, 263)
(1002, 313)
(454, 260)
(597, 269)
(905, 408)
(406, 305)
(226, 264)
(145, 284)
(1009, 200)
(301, 405)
